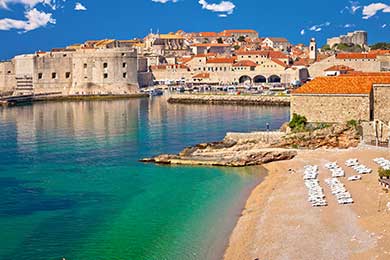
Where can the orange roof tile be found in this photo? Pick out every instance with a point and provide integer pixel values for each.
(342, 85)
(302, 62)
(268, 54)
(356, 56)
(279, 62)
(240, 31)
(278, 39)
(202, 76)
(245, 63)
(208, 34)
(211, 45)
(361, 73)
(221, 60)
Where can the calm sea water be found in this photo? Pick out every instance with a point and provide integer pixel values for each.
(71, 186)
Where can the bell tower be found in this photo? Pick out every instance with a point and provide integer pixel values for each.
(313, 49)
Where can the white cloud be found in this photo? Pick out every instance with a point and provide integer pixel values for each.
(353, 7)
(303, 32)
(349, 25)
(318, 27)
(226, 7)
(372, 9)
(28, 3)
(222, 15)
(34, 20)
(164, 1)
(384, 25)
(80, 7)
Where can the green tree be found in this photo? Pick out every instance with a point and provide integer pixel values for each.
(241, 38)
(380, 46)
(219, 40)
(297, 123)
(326, 47)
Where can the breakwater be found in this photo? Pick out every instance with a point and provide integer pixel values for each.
(218, 99)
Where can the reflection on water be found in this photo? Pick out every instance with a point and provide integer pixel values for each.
(71, 184)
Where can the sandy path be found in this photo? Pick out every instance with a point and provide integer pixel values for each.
(278, 222)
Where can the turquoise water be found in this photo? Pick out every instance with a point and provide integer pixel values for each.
(71, 186)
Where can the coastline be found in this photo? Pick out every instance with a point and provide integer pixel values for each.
(276, 213)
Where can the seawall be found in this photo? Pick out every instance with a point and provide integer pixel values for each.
(224, 99)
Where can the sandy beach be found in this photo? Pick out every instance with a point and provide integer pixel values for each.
(279, 223)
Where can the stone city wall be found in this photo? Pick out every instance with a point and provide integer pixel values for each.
(381, 102)
(228, 99)
(331, 108)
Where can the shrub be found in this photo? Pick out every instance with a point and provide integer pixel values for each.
(352, 123)
(383, 173)
(298, 122)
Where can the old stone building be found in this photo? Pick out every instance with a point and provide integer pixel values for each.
(245, 68)
(356, 38)
(72, 72)
(7, 77)
(366, 62)
(361, 97)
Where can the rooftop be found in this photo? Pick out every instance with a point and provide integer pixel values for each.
(343, 84)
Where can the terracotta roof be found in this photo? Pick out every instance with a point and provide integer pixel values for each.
(360, 73)
(269, 54)
(342, 85)
(380, 52)
(302, 62)
(356, 56)
(240, 31)
(278, 39)
(279, 62)
(221, 60)
(245, 63)
(202, 76)
(184, 60)
(208, 34)
(211, 45)
(339, 68)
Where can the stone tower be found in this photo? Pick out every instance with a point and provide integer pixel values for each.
(313, 49)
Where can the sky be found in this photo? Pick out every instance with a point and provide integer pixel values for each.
(27, 26)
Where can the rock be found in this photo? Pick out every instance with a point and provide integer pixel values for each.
(239, 149)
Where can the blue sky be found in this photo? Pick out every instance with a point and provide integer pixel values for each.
(30, 25)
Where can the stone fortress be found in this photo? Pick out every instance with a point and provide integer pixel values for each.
(72, 72)
(356, 38)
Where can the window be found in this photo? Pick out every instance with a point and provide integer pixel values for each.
(40, 75)
(105, 65)
(124, 65)
(9, 72)
(105, 75)
(67, 75)
(54, 75)
(85, 65)
(125, 75)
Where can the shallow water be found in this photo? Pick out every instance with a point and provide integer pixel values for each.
(71, 186)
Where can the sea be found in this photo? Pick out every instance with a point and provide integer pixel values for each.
(71, 186)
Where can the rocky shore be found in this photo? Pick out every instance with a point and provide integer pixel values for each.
(225, 99)
(256, 148)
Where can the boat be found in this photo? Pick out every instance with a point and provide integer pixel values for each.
(156, 92)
